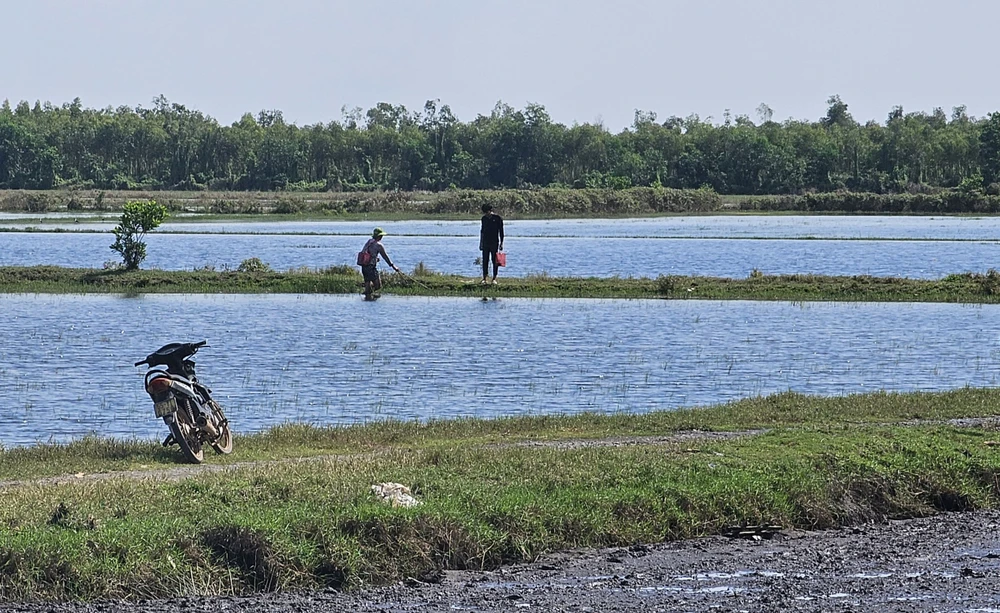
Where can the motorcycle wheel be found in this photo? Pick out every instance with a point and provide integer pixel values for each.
(224, 444)
(186, 437)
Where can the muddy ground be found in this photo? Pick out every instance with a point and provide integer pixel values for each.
(946, 563)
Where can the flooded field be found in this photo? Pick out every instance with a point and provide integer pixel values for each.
(692, 226)
(560, 256)
(66, 361)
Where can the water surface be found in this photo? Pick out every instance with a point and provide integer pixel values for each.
(555, 256)
(686, 226)
(66, 361)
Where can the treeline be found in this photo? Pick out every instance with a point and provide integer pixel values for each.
(169, 146)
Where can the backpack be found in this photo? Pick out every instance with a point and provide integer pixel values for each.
(364, 256)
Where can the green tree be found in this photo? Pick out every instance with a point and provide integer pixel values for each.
(169, 146)
(989, 149)
(138, 218)
(836, 114)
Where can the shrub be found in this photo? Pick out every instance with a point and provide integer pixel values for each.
(25, 201)
(421, 270)
(288, 206)
(973, 184)
(582, 202)
(306, 186)
(37, 203)
(666, 285)
(340, 269)
(253, 265)
(138, 218)
(989, 284)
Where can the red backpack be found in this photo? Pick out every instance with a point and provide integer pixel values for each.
(364, 256)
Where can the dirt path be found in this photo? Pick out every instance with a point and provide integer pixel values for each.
(192, 470)
(676, 438)
(945, 563)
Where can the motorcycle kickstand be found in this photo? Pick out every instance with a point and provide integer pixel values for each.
(169, 440)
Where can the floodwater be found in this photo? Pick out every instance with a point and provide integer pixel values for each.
(66, 361)
(688, 226)
(721, 246)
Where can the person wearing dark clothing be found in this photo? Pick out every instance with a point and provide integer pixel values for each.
(374, 249)
(490, 240)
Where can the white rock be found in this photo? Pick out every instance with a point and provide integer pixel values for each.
(396, 494)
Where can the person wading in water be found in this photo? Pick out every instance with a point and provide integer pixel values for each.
(368, 259)
(490, 240)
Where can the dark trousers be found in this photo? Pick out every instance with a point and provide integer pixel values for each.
(372, 279)
(487, 256)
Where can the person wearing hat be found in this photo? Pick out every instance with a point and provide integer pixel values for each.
(369, 270)
(490, 240)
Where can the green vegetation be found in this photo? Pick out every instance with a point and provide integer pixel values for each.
(947, 202)
(138, 218)
(254, 276)
(389, 147)
(302, 515)
(514, 204)
(459, 204)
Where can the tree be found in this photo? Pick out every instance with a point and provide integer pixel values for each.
(138, 218)
(836, 114)
(764, 113)
(989, 149)
(167, 145)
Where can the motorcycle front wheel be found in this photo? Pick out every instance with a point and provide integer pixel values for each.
(186, 436)
(223, 444)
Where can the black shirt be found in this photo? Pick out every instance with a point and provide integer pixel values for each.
(491, 234)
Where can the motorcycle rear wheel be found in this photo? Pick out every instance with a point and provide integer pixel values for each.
(224, 444)
(186, 436)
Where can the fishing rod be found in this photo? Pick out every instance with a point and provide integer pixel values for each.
(412, 279)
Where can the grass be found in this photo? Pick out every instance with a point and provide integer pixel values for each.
(964, 288)
(303, 517)
(536, 203)
(451, 204)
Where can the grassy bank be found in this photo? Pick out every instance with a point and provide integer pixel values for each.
(966, 288)
(512, 203)
(516, 204)
(303, 516)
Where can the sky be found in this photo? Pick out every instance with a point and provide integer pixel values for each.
(585, 61)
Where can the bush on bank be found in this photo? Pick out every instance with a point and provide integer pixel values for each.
(523, 203)
(944, 202)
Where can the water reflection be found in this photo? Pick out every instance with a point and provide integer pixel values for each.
(66, 361)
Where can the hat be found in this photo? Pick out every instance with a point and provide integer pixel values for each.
(378, 233)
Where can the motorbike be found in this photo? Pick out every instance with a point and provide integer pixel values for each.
(194, 418)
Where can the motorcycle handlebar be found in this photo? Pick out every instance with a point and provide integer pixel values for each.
(191, 349)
